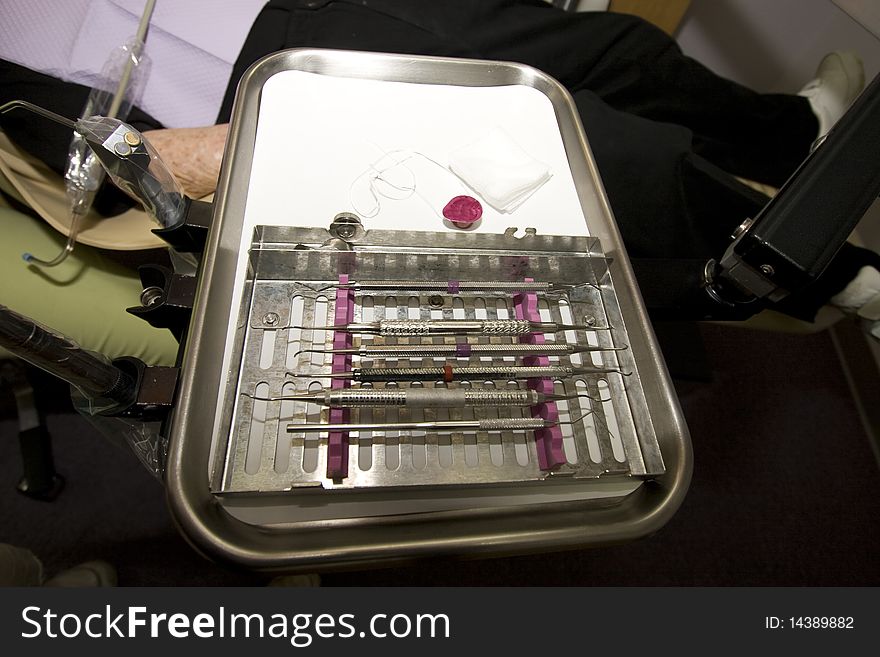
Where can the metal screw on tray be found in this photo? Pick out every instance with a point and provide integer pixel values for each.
(435, 301)
(270, 319)
(151, 295)
(345, 225)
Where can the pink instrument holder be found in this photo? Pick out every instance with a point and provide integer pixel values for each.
(337, 441)
(548, 441)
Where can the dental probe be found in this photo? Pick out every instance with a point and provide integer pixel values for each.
(492, 424)
(464, 350)
(448, 373)
(454, 286)
(395, 327)
(421, 398)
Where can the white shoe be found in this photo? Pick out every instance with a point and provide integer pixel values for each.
(839, 80)
(861, 297)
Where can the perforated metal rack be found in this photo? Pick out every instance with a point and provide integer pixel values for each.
(240, 494)
(605, 430)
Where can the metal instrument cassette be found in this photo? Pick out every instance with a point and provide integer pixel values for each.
(605, 427)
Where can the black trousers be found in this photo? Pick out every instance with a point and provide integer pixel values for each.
(668, 135)
(666, 132)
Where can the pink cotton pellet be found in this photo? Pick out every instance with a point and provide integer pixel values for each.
(462, 211)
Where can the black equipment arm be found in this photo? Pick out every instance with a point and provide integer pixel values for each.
(796, 235)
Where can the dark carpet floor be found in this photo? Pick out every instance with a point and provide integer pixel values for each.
(785, 493)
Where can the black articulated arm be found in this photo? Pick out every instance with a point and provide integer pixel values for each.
(796, 235)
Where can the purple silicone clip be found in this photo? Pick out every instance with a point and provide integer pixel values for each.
(337, 441)
(548, 441)
(452, 287)
(463, 349)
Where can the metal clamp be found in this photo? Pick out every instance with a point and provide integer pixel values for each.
(155, 387)
(167, 298)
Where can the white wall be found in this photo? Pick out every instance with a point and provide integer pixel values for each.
(773, 45)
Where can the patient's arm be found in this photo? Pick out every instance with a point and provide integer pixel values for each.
(192, 154)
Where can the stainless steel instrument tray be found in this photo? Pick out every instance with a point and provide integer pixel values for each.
(214, 524)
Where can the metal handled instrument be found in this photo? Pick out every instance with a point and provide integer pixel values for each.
(401, 327)
(493, 424)
(464, 350)
(448, 373)
(420, 398)
(455, 286)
